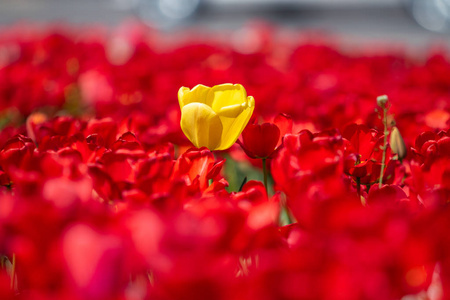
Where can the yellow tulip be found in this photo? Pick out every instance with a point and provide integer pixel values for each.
(214, 117)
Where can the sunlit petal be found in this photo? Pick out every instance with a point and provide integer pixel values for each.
(201, 125)
(197, 94)
(226, 95)
(233, 127)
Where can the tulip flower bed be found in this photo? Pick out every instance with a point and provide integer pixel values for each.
(326, 194)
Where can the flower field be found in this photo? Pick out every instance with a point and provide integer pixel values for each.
(124, 173)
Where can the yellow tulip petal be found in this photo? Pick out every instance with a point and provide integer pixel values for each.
(197, 94)
(233, 127)
(232, 111)
(201, 125)
(214, 117)
(226, 95)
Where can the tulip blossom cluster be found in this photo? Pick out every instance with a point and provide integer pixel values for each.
(130, 168)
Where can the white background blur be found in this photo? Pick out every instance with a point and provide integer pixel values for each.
(416, 22)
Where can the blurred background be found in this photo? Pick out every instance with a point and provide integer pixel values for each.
(416, 22)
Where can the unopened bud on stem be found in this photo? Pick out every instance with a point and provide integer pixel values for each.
(382, 100)
(397, 144)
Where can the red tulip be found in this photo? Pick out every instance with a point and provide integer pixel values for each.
(260, 141)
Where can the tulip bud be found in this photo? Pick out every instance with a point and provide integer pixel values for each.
(214, 117)
(382, 100)
(397, 144)
(260, 141)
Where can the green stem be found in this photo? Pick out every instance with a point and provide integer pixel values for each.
(358, 187)
(383, 161)
(285, 217)
(13, 271)
(288, 214)
(265, 174)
